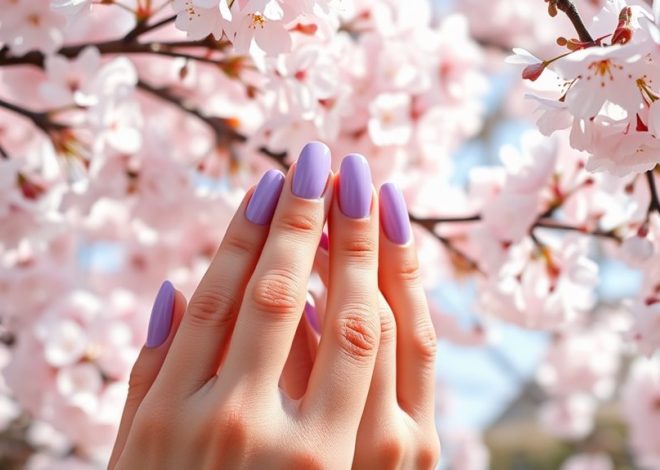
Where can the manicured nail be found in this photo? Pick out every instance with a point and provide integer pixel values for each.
(161, 316)
(312, 171)
(355, 186)
(312, 317)
(394, 214)
(262, 204)
(324, 243)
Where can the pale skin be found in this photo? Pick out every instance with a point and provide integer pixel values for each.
(242, 383)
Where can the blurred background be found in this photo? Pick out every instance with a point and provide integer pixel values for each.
(127, 142)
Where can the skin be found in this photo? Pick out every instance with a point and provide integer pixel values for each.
(241, 382)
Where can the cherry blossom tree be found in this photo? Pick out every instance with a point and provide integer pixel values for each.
(130, 129)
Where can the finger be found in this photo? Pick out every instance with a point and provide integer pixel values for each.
(275, 296)
(400, 282)
(340, 379)
(165, 319)
(299, 363)
(206, 327)
(382, 392)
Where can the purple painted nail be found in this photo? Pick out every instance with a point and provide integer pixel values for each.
(312, 317)
(262, 204)
(161, 316)
(355, 186)
(394, 214)
(312, 171)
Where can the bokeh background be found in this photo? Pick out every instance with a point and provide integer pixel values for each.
(127, 143)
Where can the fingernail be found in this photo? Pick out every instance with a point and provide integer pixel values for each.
(312, 317)
(312, 171)
(324, 243)
(394, 214)
(355, 186)
(262, 204)
(161, 316)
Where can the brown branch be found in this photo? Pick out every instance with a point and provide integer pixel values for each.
(655, 200)
(3, 153)
(40, 119)
(141, 27)
(118, 46)
(429, 226)
(551, 224)
(223, 132)
(573, 15)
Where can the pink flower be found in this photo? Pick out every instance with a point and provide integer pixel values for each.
(71, 81)
(593, 461)
(640, 398)
(69, 8)
(199, 18)
(28, 26)
(646, 325)
(570, 417)
(390, 122)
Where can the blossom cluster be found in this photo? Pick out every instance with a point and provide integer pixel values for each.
(130, 130)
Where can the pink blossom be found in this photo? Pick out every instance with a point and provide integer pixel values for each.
(640, 397)
(595, 461)
(28, 26)
(569, 417)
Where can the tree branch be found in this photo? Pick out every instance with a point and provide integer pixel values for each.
(141, 27)
(655, 200)
(40, 119)
(573, 15)
(3, 153)
(119, 46)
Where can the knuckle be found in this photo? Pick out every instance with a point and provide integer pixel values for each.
(238, 244)
(139, 380)
(358, 333)
(151, 421)
(429, 454)
(360, 249)
(425, 343)
(305, 460)
(211, 307)
(387, 325)
(390, 453)
(298, 222)
(408, 270)
(276, 292)
(231, 428)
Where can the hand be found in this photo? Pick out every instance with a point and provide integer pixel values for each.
(397, 430)
(205, 394)
(215, 402)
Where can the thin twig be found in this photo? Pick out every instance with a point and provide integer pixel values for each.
(40, 119)
(223, 132)
(141, 27)
(549, 223)
(3, 153)
(573, 15)
(113, 47)
(655, 200)
(429, 226)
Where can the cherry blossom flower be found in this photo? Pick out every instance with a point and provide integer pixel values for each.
(28, 26)
(640, 407)
(70, 8)
(595, 461)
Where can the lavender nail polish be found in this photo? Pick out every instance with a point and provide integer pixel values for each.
(262, 204)
(394, 214)
(355, 186)
(161, 316)
(312, 171)
(312, 317)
